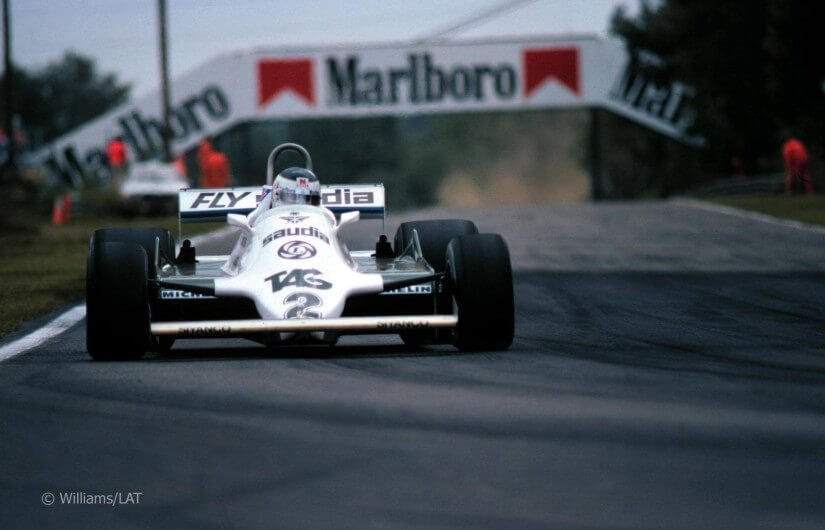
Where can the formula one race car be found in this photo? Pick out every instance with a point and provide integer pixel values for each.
(291, 279)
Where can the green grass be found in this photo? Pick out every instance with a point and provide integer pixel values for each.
(44, 267)
(799, 208)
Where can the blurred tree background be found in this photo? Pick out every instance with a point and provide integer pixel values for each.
(757, 68)
(61, 96)
(457, 159)
(48, 102)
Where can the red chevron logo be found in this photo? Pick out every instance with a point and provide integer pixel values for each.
(561, 64)
(277, 75)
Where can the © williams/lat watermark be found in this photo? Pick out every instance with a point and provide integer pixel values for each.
(92, 499)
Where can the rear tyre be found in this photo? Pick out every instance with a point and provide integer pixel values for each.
(434, 236)
(482, 287)
(117, 302)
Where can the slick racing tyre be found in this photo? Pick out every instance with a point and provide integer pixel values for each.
(482, 288)
(434, 237)
(145, 237)
(117, 302)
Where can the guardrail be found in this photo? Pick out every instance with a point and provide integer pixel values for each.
(764, 184)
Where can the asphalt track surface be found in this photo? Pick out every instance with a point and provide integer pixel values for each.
(668, 371)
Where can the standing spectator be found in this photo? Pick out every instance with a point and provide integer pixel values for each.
(797, 174)
(215, 172)
(737, 168)
(3, 146)
(180, 164)
(117, 155)
(15, 141)
(204, 149)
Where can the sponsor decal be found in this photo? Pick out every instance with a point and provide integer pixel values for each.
(143, 134)
(421, 80)
(302, 305)
(205, 330)
(276, 76)
(395, 324)
(310, 231)
(235, 264)
(665, 103)
(296, 250)
(294, 218)
(185, 120)
(561, 64)
(424, 288)
(298, 278)
(344, 196)
(173, 294)
(221, 199)
(264, 192)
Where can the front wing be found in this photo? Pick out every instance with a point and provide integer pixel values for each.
(229, 328)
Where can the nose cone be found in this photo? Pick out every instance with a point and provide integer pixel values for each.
(306, 292)
(298, 272)
(296, 268)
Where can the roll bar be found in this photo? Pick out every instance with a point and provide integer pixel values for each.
(273, 157)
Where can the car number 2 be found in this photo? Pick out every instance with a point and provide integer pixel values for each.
(302, 305)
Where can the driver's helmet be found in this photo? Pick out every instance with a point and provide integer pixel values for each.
(296, 185)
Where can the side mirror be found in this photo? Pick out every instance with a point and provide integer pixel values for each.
(348, 217)
(236, 219)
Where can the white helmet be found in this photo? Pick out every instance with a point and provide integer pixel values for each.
(296, 185)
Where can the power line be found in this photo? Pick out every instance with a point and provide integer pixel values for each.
(474, 19)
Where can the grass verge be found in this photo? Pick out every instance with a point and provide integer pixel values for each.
(808, 209)
(44, 267)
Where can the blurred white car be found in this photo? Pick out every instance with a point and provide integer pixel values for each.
(151, 188)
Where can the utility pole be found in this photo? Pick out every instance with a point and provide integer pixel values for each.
(166, 151)
(8, 86)
(596, 159)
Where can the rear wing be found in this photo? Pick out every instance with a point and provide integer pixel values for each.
(211, 205)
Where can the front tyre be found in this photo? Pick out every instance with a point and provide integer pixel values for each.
(117, 302)
(434, 236)
(482, 288)
(163, 343)
(145, 237)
